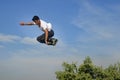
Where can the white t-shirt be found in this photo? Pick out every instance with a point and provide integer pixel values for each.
(44, 25)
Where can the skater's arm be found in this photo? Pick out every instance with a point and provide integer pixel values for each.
(27, 23)
(46, 36)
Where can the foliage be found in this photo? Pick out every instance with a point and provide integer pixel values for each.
(88, 71)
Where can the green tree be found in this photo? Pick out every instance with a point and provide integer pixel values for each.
(88, 71)
(68, 73)
(114, 71)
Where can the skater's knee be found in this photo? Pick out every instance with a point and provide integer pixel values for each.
(39, 39)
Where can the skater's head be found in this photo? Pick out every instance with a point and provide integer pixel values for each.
(36, 19)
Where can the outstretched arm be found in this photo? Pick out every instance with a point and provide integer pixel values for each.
(27, 23)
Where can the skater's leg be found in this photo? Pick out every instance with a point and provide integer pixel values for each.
(50, 35)
(41, 38)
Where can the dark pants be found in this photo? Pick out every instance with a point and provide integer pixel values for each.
(41, 38)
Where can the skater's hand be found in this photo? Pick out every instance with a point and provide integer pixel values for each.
(22, 23)
(46, 42)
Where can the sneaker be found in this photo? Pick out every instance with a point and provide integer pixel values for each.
(54, 42)
(50, 43)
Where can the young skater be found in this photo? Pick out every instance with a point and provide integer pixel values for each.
(46, 37)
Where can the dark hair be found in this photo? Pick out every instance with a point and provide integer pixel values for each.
(35, 18)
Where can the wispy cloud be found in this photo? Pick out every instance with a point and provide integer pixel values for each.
(100, 26)
(32, 47)
(17, 39)
(8, 38)
(28, 40)
(98, 21)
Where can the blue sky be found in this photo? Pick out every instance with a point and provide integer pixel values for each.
(83, 27)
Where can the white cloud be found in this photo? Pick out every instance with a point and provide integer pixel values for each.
(4, 38)
(17, 39)
(100, 24)
(28, 40)
(97, 21)
(8, 38)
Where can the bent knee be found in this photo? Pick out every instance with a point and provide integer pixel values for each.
(39, 39)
